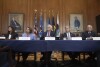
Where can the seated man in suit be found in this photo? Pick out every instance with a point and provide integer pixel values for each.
(88, 34)
(68, 35)
(47, 55)
(49, 32)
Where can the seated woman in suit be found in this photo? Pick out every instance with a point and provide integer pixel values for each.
(11, 34)
(32, 36)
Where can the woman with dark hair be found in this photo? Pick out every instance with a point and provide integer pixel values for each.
(11, 33)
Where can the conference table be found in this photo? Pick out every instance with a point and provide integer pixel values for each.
(52, 45)
(47, 45)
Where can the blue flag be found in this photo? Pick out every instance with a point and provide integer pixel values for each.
(41, 23)
(53, 21)
(48, 20)
(41, 26)
(57, 27)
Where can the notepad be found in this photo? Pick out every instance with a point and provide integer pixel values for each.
(76, 38)
(49, 38)
(96, 38)
(24, 38)
(2, 38)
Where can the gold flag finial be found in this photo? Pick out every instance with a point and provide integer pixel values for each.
(35, 10)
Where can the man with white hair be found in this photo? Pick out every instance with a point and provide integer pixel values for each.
(49, 32)
(47, 55)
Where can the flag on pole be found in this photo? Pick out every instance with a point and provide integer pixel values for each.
(41, 29)
(57, 21)
(35, 23)
(57, 27)
(48, 21)
(41, 22)
(53, 24)
(45, 19)
(35, 18)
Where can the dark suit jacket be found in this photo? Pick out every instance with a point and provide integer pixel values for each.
(86, 34)
(71, 34)
(13, 35)
(65, 35)
(52, 34)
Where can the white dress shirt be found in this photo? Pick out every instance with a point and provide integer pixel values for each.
(68, 35)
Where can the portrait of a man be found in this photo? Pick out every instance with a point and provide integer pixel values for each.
(15, 24)
(76, 22)
(16, 21)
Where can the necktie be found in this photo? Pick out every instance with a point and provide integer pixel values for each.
(68, 34)
(48, 34)
(89, 33)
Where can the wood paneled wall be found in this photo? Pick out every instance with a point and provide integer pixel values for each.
(0, 14)
(89, 8)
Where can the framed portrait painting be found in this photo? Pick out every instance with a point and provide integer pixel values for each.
(16, 21)
(76, 22)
